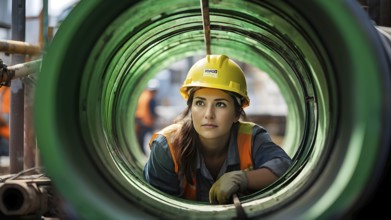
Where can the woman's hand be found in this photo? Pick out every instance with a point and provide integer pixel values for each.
(227, 185)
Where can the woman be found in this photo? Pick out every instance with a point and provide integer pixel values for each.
(209, 154)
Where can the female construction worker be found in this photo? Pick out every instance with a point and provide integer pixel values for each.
(209, 154)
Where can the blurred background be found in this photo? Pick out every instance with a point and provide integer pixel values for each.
(35, 38)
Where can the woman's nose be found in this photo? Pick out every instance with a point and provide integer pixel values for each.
(209, 112)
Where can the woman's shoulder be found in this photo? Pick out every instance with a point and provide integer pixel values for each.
(258, 133)
(165, 135)
(250, 127)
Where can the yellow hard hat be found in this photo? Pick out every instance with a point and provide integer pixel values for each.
(218, 72)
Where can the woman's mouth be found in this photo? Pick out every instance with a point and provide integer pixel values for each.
(209, 126)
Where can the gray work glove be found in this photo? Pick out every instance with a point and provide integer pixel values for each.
(228, 184)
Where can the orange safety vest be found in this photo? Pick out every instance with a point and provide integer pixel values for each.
(143, 112)
(244, 148)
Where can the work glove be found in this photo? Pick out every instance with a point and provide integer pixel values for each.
(228, 184)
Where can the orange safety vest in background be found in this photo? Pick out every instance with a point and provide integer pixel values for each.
(143, 112)
(243, 143)
(4, 110)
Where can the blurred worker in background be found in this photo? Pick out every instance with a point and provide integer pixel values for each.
(4, 120)
(146, 113)
(211, 152)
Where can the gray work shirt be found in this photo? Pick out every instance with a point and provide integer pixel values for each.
(159, 169)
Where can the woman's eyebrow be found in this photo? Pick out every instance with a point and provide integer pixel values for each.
(222, 99)
(216, 100)
(198, 97)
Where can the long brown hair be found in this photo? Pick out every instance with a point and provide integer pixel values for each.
(186, 140)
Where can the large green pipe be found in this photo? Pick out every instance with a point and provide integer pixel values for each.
(326, 56)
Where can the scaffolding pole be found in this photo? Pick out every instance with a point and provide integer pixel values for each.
(16, 143)
(19, 47)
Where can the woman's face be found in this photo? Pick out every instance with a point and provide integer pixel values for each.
(213, 113)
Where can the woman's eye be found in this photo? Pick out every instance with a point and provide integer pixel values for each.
(199, 103)
(221, 104)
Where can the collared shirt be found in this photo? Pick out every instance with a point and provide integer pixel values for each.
(159, 169)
